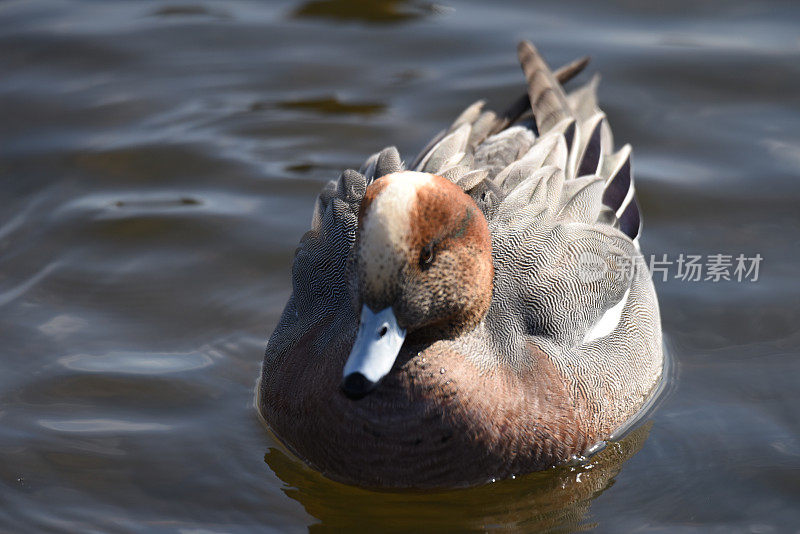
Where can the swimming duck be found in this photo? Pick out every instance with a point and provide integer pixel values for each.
(481, 313)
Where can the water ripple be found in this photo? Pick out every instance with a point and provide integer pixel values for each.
(138, 363)
(102, 425)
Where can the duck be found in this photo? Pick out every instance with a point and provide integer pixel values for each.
(480, 313)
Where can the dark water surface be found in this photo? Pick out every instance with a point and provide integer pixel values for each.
(159, 163)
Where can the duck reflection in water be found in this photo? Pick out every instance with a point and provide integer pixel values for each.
(557, 499)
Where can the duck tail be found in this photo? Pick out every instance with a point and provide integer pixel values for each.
(547, 98)
(588, 135)
(522, 104)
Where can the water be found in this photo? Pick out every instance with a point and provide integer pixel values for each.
(159, 163)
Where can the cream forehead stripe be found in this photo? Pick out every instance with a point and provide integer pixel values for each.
(386, 227)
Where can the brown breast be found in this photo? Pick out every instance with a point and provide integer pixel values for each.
(436, 420)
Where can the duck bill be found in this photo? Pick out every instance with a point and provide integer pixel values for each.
(376, 347)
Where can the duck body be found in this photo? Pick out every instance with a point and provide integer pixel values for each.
(482, 315)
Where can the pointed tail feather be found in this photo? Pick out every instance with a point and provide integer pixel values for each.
(548, 101)
(523, 104)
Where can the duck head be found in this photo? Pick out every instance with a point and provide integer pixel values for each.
(423, 257)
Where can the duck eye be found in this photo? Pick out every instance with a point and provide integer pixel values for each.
(426, 256)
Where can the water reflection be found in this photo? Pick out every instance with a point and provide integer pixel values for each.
(551, 500)
(188, 10)
(329, 105)
(367, 11)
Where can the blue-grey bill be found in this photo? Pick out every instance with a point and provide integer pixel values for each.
(377, 345)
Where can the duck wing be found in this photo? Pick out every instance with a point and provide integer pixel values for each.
(569, 277)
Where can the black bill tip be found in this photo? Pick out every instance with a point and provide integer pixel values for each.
(356, 386)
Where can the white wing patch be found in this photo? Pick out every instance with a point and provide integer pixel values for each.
(608, 321)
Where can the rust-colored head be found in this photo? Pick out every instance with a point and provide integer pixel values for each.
(424, 250)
